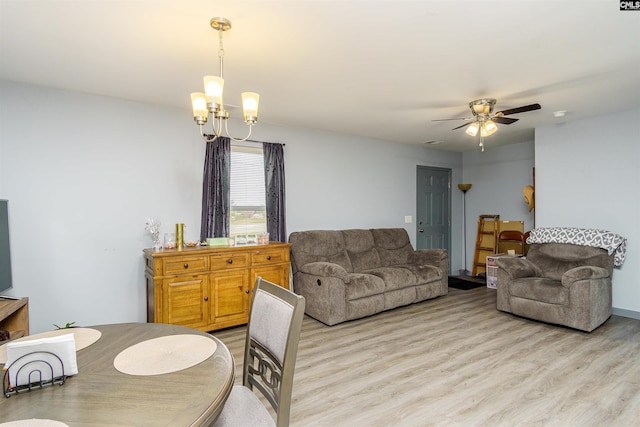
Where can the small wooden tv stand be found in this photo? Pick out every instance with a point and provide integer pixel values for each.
(14, 316)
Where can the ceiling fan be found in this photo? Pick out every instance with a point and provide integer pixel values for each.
(485, 120)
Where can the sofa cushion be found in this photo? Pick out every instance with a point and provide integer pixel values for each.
(424, 273)
(393, 244)
(540, 289)
(319, 246)
(363, 285)
(395, 277)
(361, 249)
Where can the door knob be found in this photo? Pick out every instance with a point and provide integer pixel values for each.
(421, 230)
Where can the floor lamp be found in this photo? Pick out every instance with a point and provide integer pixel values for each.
(464, 188)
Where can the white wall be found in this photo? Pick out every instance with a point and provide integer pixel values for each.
(587, 175)
(82, 172)
(498, 176)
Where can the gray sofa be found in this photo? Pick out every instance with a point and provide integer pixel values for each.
(349, 274)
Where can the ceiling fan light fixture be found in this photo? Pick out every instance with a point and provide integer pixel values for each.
(488, 128)
(472, 129)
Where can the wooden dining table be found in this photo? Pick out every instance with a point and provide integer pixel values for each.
(100, 394)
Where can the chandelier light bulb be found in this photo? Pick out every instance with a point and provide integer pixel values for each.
(250, 102)
(213, 88)
(199, 106)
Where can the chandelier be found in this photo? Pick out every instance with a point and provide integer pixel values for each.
(211, 101)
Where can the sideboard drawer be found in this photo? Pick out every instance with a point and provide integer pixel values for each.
(230, 260)
(269, 256)
(186, 264)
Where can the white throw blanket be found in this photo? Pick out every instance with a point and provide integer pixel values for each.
(611, 242)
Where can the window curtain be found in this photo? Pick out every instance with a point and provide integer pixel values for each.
(275, 191)
(215, 189)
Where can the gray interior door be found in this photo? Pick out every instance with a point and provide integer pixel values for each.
(433, 213)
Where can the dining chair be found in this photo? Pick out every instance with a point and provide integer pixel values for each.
(271, 346)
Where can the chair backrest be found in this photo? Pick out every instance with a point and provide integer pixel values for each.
(271, 347)
(510, 239)
(556, 258)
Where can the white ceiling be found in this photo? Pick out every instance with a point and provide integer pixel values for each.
(378, 69)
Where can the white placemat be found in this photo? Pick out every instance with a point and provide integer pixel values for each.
(165, 354)
(84, 337)
(34, 423)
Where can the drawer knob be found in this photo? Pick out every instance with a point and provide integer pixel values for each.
(186, 265)
(206, 298)
(230, 261)
(268, 257)
(247, 291)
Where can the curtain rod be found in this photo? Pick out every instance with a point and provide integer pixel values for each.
(260, 142)
(253, 140)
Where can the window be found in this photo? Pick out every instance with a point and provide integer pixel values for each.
(248, 215)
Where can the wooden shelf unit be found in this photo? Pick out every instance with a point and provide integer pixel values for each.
(209, 288)
(14, 317)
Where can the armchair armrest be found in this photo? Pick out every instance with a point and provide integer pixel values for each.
(325, 269)
(517, 267)
(583, 273)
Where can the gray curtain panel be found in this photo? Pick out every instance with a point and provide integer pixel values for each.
(275, 191)
(215, 189)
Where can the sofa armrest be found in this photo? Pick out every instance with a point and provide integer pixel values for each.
(325, 269)
(428, 256)
(583, 273)
(517, 267)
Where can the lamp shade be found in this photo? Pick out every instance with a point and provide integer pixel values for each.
(488, 128)
(199, 106)
(250, 101)
(472, 129)
(213, 88)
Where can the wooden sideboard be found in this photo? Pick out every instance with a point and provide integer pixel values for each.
(14, 316)
(209, 288)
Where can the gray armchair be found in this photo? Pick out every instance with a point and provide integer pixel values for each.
(560, 283)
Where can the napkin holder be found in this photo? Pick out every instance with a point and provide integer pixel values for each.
(38, 363)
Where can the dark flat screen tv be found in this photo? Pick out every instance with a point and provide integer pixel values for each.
(5, 248)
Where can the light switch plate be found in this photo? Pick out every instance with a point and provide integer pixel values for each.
(408, 219)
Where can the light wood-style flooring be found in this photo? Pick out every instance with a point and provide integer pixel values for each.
(457, 361)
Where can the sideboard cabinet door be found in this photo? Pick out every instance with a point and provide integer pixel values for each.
(186, 301)
(230, 305)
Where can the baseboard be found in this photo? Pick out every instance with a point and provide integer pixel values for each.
(626, 313)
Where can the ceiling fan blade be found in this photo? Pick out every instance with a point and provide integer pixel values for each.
(461, 126)
(520, 109)
(504, 120)
(444, 120)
